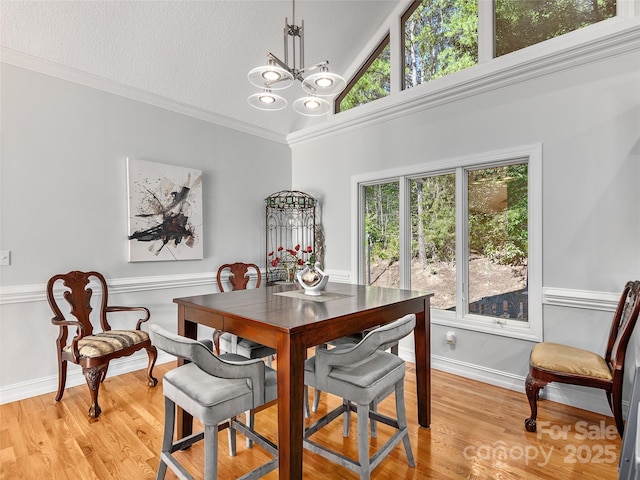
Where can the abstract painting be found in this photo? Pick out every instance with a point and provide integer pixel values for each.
(165, 211)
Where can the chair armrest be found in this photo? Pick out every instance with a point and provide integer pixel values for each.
(62, 338)
(132, 309)
(67, 323)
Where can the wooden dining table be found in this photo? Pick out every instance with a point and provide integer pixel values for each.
(283, 317)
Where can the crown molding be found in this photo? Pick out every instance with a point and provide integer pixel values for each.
(597, 42)
(36, 64)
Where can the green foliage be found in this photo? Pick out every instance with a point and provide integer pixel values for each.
(520, 23)
(441, 37)
(499, 232)
(382, 222)
(373, 84)
(433, 218)
(498, 216)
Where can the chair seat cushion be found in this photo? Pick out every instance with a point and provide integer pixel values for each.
(246, 348)
(572, 360)
(212, 399)
(362, 382)
(105, 343)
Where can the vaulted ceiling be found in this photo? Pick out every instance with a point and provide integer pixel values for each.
(196, 53)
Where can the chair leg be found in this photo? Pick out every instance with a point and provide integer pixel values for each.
(374, 425)
(363, 442)
(316, 400)
(532, 387)
(211, 452)
(232, 438)
(307, 412)
(62, 377)
(401, 413)
(152, 353)
(251, 417)
(346, 418)
(167, 437)
(94, 376)
(216, 341)
(616, 406)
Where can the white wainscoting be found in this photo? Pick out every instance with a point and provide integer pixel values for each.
(36, 293)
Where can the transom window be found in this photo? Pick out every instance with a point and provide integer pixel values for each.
(373, 80)
(441, 37)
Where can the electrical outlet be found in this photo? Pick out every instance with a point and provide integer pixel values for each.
(5, 257)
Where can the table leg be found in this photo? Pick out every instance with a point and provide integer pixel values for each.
(422, 339)
(291, 357)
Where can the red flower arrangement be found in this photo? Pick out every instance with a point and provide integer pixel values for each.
(290, 256)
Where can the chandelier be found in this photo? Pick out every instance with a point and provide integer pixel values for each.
(278, 75)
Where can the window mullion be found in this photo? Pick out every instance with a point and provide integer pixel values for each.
(405, 233)
(462, 253)
(486, 30)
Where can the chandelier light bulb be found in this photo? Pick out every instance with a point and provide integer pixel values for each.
(271, 75)
(266, 98)
(324, 82)
(312, 104)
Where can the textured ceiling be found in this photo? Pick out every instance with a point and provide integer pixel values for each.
(197, 53)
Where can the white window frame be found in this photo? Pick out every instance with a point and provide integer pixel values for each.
(532, 154)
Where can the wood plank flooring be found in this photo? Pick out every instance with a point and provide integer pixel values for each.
(477, 433)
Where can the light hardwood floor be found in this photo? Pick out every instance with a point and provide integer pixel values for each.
(477, 433)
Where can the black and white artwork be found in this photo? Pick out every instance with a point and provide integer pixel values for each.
(165, 211)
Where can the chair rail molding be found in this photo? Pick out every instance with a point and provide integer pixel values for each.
(37, 292)
(590, 300)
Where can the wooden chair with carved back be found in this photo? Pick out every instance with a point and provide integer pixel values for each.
(238, 277)
(92, 351)
(552, 362)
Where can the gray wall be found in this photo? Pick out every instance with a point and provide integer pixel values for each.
(63, 201)
(64, 207)
(587, 119)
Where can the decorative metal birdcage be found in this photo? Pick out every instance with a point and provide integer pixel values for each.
(290, 233)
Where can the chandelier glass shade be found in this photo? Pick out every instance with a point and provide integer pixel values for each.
(311, 106)
(278, 75)
(267, 100)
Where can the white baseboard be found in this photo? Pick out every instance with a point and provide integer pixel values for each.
(591, 400)
(44, 385)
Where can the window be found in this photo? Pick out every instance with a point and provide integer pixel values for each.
(521, 23)
(382, 233)
(472, 231)
(433, 237)
(440, 37)
(372, 81)
(497, 241)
